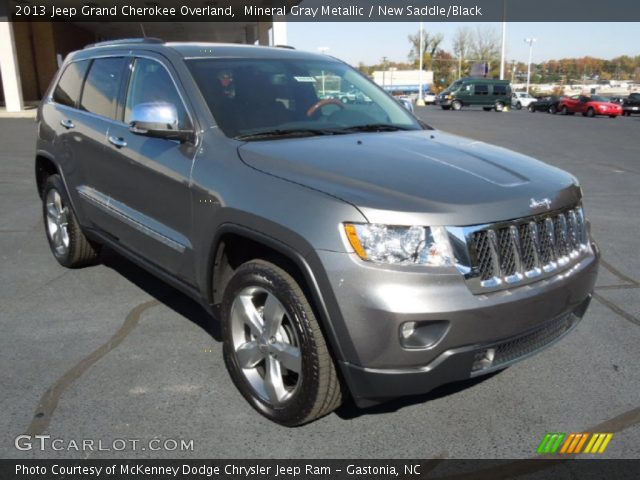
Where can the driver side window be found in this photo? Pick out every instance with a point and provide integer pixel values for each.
(151, 83)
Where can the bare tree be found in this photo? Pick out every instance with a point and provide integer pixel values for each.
(486, 45)
(462, 41)
(431, 43)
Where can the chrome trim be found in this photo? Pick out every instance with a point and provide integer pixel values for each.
(540, 264)
(135, 219)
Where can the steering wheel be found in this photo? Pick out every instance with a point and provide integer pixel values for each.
(327, 101)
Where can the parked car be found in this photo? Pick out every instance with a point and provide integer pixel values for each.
(545, 104)
(344, 249)
(631, 104)
(405, 101)
(429, 98)
(482, 92)
(589, 106)
(521, 99)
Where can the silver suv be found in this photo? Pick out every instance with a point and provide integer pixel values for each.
(346, 249)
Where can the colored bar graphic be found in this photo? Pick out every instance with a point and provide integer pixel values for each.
(574, 443)
(550, 443)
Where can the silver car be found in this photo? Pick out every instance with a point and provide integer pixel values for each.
(345, 249)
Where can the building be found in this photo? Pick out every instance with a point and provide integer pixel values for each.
(391, 77)
(30, 52)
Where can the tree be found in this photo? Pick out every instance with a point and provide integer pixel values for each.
(462, 41)
(430, 42)
(486, 46)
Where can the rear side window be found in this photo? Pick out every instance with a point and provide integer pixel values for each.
(101, 86)
(482, 89)
(499, 89)
(68, 88)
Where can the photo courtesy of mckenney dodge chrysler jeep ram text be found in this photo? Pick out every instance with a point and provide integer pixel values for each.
(346, 248)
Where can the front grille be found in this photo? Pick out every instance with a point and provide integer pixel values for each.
(511, 350)
(509, 252)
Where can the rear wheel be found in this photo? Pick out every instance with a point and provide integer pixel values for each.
(553, 109)
(613, 116)
(487, 109)
(456, 105)
(499, 106)
(68, 244)
(564, 110)
(531, 108)
(519, 106)
(591, 112)
(274, 348)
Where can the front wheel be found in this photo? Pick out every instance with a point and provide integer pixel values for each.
(591, 112)
(445, 107)
(274, 348)
(553, 109)
(519, 106)
(531, 108)
(456, 105)
(68, 244)
(564, 110)
(487, 109)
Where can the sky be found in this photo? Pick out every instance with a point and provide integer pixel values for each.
(368, 42)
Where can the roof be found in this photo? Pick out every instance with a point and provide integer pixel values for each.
(209, 50)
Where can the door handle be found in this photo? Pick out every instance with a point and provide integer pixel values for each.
(66, 123)
(117, 141)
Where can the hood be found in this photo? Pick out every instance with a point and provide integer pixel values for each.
(416, 177)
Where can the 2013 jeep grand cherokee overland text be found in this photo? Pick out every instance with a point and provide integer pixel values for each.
(346, 248)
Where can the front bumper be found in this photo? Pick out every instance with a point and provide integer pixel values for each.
(374, 302)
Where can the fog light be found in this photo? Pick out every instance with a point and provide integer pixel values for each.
(483, 359)
(408, 329)
(423, 334)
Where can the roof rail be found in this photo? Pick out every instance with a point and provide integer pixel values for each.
(126, 41)
(285, 46)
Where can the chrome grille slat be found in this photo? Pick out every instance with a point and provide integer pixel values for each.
(509, 252)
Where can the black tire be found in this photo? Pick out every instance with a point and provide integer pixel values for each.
(79, 252)
(531, 108)
(318, 390)
(446, 107)
(590, 112)
(553, 109)
(456, 105)
(613, 116)
(519, 106)
(487, 109)
(564, 110)
(499, 107)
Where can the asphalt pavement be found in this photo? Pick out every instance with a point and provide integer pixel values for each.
(110, 353)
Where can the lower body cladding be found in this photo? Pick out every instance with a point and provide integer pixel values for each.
(412, 329)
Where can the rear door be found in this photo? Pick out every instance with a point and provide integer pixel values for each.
(149, 180)
(481, 94)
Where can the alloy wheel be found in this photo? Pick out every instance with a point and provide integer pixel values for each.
(57, 222)
(266, 345)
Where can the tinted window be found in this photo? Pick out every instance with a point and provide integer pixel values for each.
(101, 86)
(252, 96)
(499, 89)
(151, 83)
(482, 89)
(68, 89)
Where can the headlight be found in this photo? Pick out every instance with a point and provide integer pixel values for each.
(400, 245)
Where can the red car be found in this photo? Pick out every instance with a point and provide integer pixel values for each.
(589, 106)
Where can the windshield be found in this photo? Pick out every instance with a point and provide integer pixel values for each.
(596, 98)
(262, 97)
(453, 87)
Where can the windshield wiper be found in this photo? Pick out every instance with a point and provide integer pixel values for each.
(283, 133)
(376, 127)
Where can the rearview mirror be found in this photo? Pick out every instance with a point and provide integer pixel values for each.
(158, 119)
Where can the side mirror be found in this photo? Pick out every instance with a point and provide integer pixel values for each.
(159, 120)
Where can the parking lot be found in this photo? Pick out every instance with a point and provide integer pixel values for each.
(109, 352)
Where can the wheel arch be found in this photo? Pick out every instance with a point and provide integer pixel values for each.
(45, 166)
(234, 244)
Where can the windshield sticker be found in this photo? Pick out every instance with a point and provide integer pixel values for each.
(305, 79)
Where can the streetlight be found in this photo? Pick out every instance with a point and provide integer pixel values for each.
(420, 101)
(391, 70)
(324, 51)
(530, 41)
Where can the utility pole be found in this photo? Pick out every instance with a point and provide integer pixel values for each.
(530, 41)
